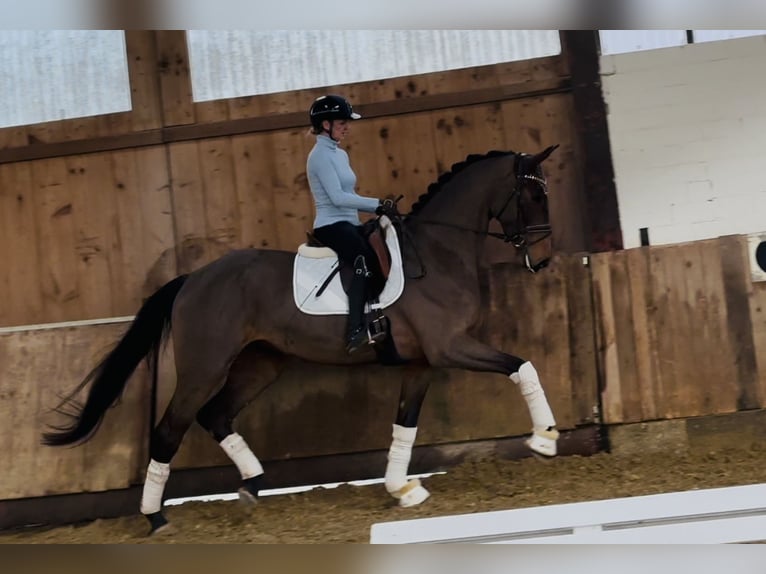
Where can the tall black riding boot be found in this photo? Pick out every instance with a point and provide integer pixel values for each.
(356, 335)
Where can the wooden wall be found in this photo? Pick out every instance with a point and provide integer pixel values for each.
(681, 331)
(97, 212)
(36, 368)
(79, 233)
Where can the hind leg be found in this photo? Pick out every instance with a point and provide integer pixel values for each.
(251, 374)
(200, 375)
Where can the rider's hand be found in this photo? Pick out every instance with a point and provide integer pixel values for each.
(387, 207)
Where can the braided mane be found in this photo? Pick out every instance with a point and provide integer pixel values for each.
(437, 186)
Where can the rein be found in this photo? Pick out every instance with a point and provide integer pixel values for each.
(519, 239)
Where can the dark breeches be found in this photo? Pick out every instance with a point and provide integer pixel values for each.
(347, 241)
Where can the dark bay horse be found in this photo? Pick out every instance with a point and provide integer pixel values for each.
(244, 299)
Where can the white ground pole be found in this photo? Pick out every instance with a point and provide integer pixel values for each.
(710, 516)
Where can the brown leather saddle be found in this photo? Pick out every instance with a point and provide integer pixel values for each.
(376, 238)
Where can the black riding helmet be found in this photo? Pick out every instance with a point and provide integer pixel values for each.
(330, 107)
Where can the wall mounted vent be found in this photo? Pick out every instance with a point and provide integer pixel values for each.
(756, 247)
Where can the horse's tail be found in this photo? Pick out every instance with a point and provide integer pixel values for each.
(143, 339)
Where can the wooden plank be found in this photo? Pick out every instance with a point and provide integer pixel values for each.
(143, 227)
(20, 282)
(222, 216)
(691, 347)
(38, 150)
(182, 126)
(126, 252)
(12, 137)
(157, 215)
(55, 228)
(254, 191)
(188, 207)
(709, 334)
(35, 368)
(758, 317)
(644, 332)
(141, 50)
(553, 328)
(630, 393)
(606, 337)
(175, 79)
(665, 277)
(94, 221)
(581, 321)
(211, 111)
(292, 199)
(737, 287)
(720, 378)
(376, 165)
(416, 155)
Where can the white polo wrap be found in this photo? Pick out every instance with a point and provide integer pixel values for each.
(529, 385)
(399, 457)
(238, 451)
(156, 476)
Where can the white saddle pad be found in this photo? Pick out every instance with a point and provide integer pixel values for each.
(313, 265)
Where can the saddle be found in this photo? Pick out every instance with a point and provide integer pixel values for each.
(381, 268)
(321, 283)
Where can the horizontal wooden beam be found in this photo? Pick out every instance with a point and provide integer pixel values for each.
(533, 89)
(70, 508)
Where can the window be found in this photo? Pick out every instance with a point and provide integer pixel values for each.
(713, 35)
(226, 64)
(50, 75)
(621, 41)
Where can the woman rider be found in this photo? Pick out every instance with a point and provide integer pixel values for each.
(337, 205)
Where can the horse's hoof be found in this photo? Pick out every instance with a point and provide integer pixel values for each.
(247, 497)
(543, 442)
(164, 530)
(411, 494)
(414, 497)
(157, 523)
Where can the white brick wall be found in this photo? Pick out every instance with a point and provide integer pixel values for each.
(687, 127)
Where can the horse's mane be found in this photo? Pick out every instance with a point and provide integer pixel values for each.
(437, 186)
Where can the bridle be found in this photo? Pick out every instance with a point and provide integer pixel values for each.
(522, 236)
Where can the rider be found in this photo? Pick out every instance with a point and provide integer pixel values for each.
(337, 204)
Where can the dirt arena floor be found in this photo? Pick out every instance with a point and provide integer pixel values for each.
(346, 513)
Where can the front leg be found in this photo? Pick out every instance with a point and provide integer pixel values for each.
(468, 353)
(413, 391)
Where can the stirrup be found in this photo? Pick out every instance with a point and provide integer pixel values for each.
(358, 339)
(377, 328)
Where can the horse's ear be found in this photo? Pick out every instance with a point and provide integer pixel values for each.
(543, 155)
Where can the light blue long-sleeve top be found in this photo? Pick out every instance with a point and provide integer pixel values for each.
(332, 182)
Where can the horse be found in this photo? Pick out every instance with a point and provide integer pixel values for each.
(242, 299)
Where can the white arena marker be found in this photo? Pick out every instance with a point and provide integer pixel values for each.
(286, 490)
(712, 516)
